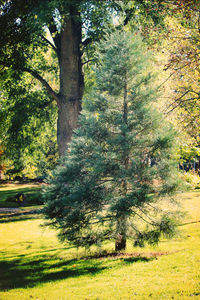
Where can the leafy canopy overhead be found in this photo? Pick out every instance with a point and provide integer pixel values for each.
(30, 62)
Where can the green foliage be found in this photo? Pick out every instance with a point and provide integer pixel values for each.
(27, 128)
(30, 67)
(120, 160)
(191, 179)
(189, 153)
(166, 227)
(31, 43)
(183, 63)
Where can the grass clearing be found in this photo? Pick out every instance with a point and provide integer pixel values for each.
(34, 265)
(9, 191)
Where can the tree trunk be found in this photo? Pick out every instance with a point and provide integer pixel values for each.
(67, 121)
(120, 242)
(71, 79)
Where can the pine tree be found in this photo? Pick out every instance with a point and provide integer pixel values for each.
(120, 161)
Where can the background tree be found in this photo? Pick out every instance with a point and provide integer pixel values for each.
(119, 163)
(27, 128)
(35, 31)
(32, 63)
(65, 27)
(183, 39)
(2, 166)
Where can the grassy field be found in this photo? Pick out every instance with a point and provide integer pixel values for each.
(34, 265)
(9, 191)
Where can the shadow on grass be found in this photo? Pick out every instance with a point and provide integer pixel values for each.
(21, 273)
(33, 254)
(131, 260)
(29, 271)
(20, 217)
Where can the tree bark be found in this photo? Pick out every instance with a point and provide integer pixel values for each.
(71, 79)
(120, 242)
(68, 113)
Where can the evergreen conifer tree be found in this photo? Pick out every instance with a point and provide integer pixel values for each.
(120, 162)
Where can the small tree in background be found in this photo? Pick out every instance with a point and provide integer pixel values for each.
(119, 163)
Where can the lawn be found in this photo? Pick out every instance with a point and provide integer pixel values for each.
(9, 191)
(34, 265)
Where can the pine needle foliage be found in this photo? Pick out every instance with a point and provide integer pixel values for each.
(120, 161)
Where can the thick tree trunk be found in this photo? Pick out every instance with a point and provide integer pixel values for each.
(71, 79)
(68, 113)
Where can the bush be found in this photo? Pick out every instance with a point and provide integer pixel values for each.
(192, 179)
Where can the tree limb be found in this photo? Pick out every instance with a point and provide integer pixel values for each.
(86, 62)
(45, 84)
(48, 42)
(87, 42)
(178, 99)
(198, 22)
(55, 36)
(153, 224)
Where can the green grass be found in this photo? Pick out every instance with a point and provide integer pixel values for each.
(34, 265)
(8, 193)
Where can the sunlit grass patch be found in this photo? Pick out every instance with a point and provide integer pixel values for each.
(33, 264)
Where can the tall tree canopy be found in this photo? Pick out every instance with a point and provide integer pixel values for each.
(184, 64)
(31, 28)
(44, 46)
(67, 29)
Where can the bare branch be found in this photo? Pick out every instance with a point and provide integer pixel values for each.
(166, 79)
(179, 103)
(199, 22)
(142, 210)
(177, 99)
(86, 42)
(86, 62)
(45, 84)
(48, 42)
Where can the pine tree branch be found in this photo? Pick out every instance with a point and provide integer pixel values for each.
(155, 208)
(153, 224)
(188, 223)
(145, 214)
(103, 220)
(45, 84)
(105, 180)
(198, 22)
